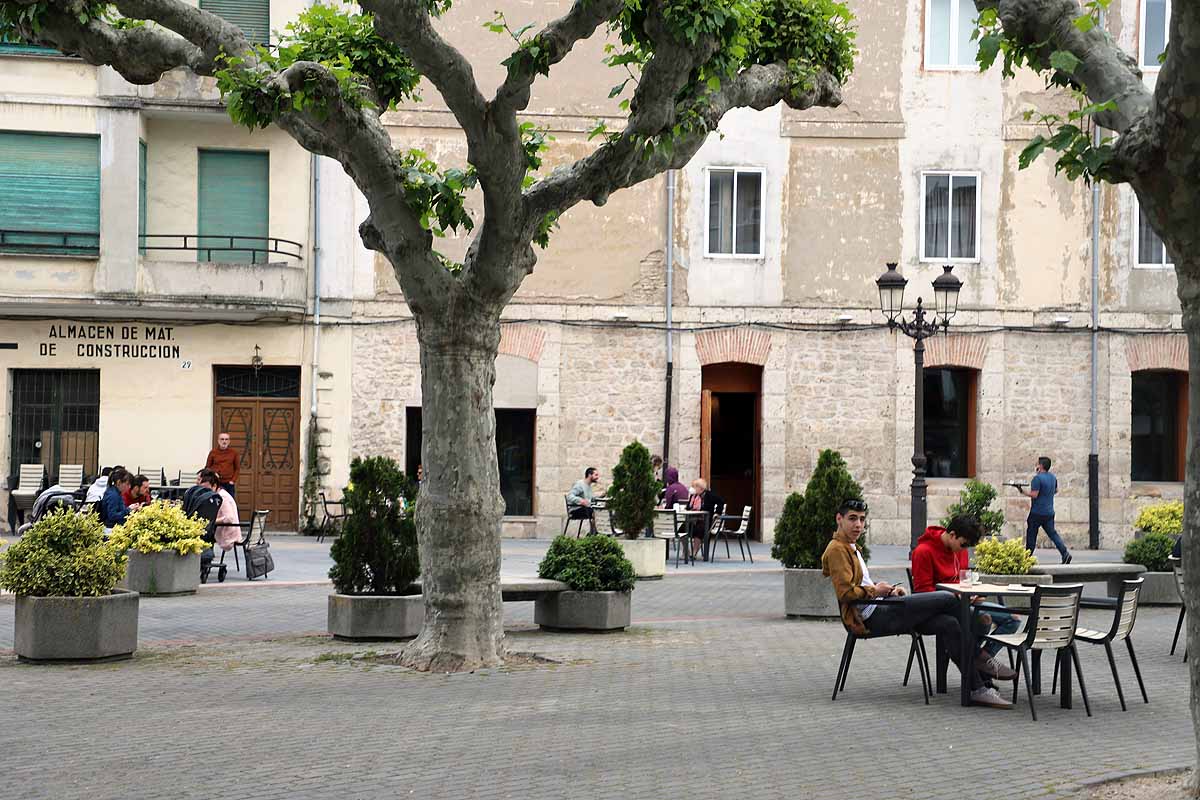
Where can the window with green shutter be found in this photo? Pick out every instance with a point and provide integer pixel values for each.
(252, 16)
(142, 195)
(234, 204)
(49, 194)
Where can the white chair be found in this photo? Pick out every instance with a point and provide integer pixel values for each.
(30, 482)
(741, 533)
(1122, 628)
(70, 476)
(666, 527)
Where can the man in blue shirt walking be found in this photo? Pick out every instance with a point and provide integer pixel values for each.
(1041, 510)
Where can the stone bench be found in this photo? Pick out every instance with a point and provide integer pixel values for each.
(559, 608)
(529, 589)
(1108, 572)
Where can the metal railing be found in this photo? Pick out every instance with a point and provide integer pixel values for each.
(50, 242)
(259, 248)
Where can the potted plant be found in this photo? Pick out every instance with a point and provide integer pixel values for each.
(375, 558)
(1006, 561)
(975, 500)
(162, 546)
(63, 573)
(805, 528)
(600, 580)
(1158, 527)
(631, 500)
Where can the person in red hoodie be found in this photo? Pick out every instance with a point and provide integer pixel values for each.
(939, 555)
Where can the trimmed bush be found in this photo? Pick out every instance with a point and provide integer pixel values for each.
(996, 556)
(633, 493)
(376, 552)
(976, 499)
(1161, 518)
(64, 554)
(1152, 551)
(161, 526)
(809, 520)
(590, 564)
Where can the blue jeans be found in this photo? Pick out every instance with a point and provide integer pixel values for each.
(1046, 523)
(1002, 622)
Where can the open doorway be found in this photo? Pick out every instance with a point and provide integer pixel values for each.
(731, 437)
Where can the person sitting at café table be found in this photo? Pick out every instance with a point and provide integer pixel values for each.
(138, 493)
(675, 492)
(928, 613)
(112, 508)
(940, 557)
(95, 492)
(228, 530)
(706, 500)
(579, 499)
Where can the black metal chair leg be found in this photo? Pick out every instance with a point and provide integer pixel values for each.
(1028, 683)
(849, 658)
(837, 681)
(924, 656)
(1112, 663)
(1178, 627)
(1054, 682)
(726, 538)
(748, 551)
(1136, 670)
(921, 669)
(1017, 677)
(912, 653)
(1079, 674)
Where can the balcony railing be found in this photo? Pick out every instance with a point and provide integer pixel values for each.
(54, 243)
(255, 249)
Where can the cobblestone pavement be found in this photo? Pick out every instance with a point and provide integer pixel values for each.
(712, 693)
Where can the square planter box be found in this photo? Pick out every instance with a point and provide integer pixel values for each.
(160, 574)
(808, 593)
(648, 556)
(583, 611)
(362, 617)
(76, 628)
(1158, 589)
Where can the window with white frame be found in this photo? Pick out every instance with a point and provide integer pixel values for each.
(949, 216)
(1156, 18)
(949, 25)
(1150, 250)
(735, 212)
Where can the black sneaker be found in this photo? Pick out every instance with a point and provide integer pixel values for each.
(1067, 558)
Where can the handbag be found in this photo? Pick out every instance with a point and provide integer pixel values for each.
(258, 560)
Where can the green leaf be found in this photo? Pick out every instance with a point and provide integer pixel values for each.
(1064, 61)
(1085, 22)
(1032, 150)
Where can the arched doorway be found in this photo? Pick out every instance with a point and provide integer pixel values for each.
(731, 436)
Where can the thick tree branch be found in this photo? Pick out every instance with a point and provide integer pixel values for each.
(623, 161)
(1106, 71)
(557, 40)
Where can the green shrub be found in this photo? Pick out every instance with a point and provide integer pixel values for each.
(633, 492)
(975, 500)
(161, 526)
(1161, 518)
(590, 564)
(376, 552)
(996, 556)
(809, 520)
(1151, 551)
(63, 555)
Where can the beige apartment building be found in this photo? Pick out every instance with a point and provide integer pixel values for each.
(768, 347)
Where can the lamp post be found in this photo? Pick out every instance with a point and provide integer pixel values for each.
(923, 325)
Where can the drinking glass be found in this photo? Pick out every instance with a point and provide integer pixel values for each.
(964, 577)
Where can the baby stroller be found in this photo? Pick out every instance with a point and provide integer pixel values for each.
(52, 499)
(205, 504)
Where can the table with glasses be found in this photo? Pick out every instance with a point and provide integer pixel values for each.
(965, 592)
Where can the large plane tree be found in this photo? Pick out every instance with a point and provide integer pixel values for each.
(679, 66)
(1150, 140)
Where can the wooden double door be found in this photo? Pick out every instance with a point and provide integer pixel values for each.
(266, 434)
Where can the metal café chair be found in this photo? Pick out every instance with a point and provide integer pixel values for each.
(1052, 621)
(667, 527)
(70, 476)
(852, 638)
(335, 515)
(30, 482)
(1177, 568)
(741, 533)
(1121, 628)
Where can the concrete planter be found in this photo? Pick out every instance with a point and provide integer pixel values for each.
(583, 611)
(373, 616)
(160, 574)
(1158, 589)
(76, 628)
(648, 556)
(1017, 603)
(808, 593)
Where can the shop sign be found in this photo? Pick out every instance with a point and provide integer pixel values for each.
(103, 340)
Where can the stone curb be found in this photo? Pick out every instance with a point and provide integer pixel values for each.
(1079, 789)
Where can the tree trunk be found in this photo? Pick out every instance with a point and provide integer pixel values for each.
(1188, 273)
(459, 506)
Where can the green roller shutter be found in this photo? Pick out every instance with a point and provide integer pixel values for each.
(49, 193)
(142, 195)
(12, 45)
(252, 16)
(234, 205)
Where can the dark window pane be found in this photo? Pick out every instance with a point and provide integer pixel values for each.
(514, 450)
(55, 419)
(412, 441)
(1154, 430)
(720, 211)
(948, 426)
(261, 382)
(749, 212)
(937, 216)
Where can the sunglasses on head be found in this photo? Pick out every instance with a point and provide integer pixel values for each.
(855, 505)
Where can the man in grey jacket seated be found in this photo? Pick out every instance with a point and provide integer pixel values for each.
(579, 499)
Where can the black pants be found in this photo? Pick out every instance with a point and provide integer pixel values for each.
(584, 512)
(928, 613)
(229, 487)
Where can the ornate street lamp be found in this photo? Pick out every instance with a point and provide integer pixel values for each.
(945, 300)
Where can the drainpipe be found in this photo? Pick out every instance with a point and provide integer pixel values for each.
(316, 205)
(666, 454)
(1094, 453)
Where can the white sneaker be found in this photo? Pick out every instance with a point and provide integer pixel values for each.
(992, 667)
(987, 696)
